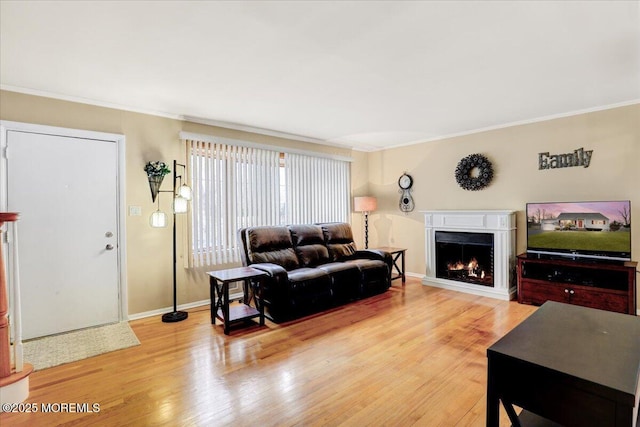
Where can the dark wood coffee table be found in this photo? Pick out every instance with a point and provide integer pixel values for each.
(572, 365)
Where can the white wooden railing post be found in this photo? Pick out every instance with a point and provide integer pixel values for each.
(16, 305)
(14, 382)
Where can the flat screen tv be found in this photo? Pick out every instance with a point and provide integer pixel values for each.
(596, 230)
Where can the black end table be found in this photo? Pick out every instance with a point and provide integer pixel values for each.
(567, 364)
(219, 290)
(396, 253)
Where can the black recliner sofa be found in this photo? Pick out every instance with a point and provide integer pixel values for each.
(312, 267)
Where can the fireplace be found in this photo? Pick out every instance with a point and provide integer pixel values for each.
(471, 251)
(465, 257)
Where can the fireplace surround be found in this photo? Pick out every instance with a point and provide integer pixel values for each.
(482, 241)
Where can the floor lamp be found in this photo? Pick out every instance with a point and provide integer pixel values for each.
(181, 196)
(365, 205)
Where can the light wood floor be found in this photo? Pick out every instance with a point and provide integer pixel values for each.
(415, 355)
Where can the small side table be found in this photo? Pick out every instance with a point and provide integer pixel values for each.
(397, 254)
(219, 290)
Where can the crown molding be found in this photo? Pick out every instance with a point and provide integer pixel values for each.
(516, 123)
(80, 100)
(192, 119)
(367, 148)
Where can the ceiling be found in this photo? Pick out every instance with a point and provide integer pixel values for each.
(367, 75)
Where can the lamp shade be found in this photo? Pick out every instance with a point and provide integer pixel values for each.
(158, 219)
(185, 192)
(180, 205)
(365, 204)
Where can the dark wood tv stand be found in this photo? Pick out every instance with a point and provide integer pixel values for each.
(597, 284)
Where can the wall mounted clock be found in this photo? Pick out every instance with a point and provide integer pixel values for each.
(405, 182)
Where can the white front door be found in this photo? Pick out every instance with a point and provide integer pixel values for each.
(66, 191)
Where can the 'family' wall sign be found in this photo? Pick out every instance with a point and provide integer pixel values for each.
(579, 157)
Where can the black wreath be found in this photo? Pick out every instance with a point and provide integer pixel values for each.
(466, 165)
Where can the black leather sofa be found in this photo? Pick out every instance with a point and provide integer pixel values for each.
(312, 267)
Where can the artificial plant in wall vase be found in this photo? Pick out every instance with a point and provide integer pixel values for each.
(156, 172)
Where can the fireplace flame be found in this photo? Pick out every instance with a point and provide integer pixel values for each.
(472, 268)
(456, 266)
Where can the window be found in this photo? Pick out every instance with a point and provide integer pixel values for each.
(317, 189)
(233, 188)
(237, 186)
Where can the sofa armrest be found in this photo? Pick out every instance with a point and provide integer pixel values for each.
(276, 285)
(273, 270)
(377, 255)
(373, 254)
(275, 288)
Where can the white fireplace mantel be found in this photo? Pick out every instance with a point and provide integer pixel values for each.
(501, 223)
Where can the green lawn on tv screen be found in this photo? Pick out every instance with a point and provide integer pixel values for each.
(582, 240)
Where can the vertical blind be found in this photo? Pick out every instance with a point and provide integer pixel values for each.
(317, 189)
(237, 186)
(233, 188)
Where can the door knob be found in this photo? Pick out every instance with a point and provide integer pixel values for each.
(109, 247)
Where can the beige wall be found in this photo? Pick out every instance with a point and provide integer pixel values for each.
(149, 257)
(614, 135)
(614, 174)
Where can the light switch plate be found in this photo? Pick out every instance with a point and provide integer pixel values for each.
(135, 211)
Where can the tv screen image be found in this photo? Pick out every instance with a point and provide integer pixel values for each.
(580, 229)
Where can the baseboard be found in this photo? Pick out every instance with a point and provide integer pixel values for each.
(161, 311)
(195, 304)
(416, 275)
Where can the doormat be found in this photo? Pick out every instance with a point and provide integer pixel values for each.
(55, 350)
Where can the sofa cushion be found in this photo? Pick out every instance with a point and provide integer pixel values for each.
(309, 280)
(309, 291)
(308, 242)
(345, 280)
(271, 245)
(367, 264)
(374, 275)
(339, 240)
